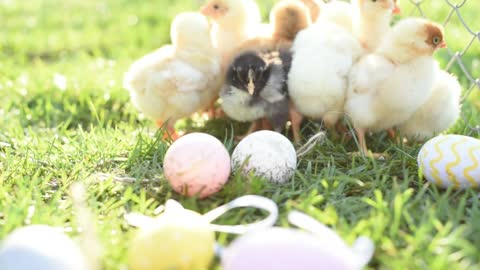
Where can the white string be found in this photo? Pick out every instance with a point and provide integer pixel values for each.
(310, 144)
(252, 201)
(362, 250)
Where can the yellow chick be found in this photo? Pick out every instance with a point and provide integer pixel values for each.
(324, 54)
(287, 18)
(234, 22)
(388, 86)
(440, 111)
(368, 20)
(179, 79)
(371, 20)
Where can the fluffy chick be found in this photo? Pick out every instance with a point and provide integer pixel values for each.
(287, 18)
(389, 85)
(234, 22)
(338, 12)
(439, 113)
(322, 56)
(256, 87)
(325, 53)
(368, 20)
(179, 79)
(371, 20)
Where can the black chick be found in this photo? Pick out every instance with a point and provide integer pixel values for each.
(256, 87)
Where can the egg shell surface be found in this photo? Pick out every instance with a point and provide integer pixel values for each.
(197, 164)
(451, 160)
(268, 154)
(284, 249)
(40, 247)
(182, 241)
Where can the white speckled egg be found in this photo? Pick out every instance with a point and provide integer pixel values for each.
(451, 160)
(268, 154)
(40, 247)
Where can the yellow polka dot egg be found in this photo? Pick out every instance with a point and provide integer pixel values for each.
(451, 160)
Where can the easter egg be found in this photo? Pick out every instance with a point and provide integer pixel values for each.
(268, 154)
(286, 249)
(197, 164)
(451, 160)
(178, 239)
(40, 247)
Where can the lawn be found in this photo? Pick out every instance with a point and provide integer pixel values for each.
(64, 118)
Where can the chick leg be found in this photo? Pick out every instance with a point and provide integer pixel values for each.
(331, 127)
(363, 145)
(331, 119)
(392, 134)
(211, 111)
(296, 119)
(265, 125)
(256, 125)
(171, 132)
(361, 141)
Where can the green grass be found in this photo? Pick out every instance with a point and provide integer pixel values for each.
(51, 138)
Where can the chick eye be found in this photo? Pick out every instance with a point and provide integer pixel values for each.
(374, 1)
(436, 40)
(216, 6)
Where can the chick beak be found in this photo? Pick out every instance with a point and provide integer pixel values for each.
(396, 9)
(443, 45)
(251, 85)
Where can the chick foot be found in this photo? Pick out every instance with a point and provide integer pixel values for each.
(171, 132)
(364, 152)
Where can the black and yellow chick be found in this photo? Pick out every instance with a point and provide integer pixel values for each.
(287, 18)
(256, 87)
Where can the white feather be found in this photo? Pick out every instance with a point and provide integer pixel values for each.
(439, 113)
(177, 80)
(391, 98)
(236, 105)
(322, 57)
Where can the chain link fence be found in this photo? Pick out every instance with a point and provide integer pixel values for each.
(456, 63)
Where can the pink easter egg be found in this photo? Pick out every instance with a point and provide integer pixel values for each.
(197, 164)
(285, 249)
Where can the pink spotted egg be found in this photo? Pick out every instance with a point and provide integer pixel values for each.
(197, 164)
